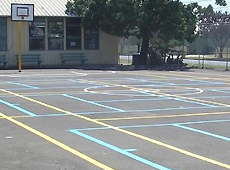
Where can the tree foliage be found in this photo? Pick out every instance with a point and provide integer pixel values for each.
(145, 19)
(215, 26)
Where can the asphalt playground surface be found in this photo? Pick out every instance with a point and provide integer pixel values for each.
(77, 119)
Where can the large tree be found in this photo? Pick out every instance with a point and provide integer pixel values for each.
(215, 26)
(145, 19)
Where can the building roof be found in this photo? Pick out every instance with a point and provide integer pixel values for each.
(50, 8)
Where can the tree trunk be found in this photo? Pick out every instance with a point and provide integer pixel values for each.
(221, 52)
(144, 51)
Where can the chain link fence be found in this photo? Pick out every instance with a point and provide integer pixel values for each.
(206, 54)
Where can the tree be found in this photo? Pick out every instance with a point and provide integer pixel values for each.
(145, 19)
(215, 26)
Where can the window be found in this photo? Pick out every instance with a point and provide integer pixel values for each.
(3, 34)
(37, 34)
(91, 39)
(73, 34)
(55, 34)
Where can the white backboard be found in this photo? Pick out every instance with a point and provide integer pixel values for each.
(22, 12)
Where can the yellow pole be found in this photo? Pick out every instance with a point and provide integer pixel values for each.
(19, 46)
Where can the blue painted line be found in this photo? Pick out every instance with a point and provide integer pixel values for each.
(75, 81)
(17, 108)
(155, 125)
(178, 84)
(220, 91)
(193, 102)
(209, 97)
(39, 95)
(130, 150)
(121, 151)
(130, 100)
(125, 127)
(70, 87)
(24, 85)
(203, 122)
(92, 129)
(51, 115)
(203, 132)
(172, 85)
(151, 81)
(202, 81)
(148, 110)
(94, 103)
(79, 81)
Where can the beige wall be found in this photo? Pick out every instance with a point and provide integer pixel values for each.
(107, 53)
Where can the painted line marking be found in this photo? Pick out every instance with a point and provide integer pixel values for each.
(170, 147)
(24, 85)
(93, 103)
(130, 150)
(59, 144)
(80, 74)
(147, 110)
(132, 118)
(17, 117)
(221, 91)
(165, 94)
(129, 100)
(193, 102)
(203, 132)
(17, 108)
(164, 116)
(202, 78)
(121, 151)
(156, 125)
(95, 84)
(48, 115)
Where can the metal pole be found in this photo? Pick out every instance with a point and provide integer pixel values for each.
(199, 51)
(203, 62)
(19, 46)
(227, 58)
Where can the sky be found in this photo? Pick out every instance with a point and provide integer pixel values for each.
(205, 3)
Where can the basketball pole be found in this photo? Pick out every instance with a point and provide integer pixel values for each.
(19, 46)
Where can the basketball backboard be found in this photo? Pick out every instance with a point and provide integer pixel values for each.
(22, 12)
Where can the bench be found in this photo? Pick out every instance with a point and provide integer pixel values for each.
(3, 60)
(31, 58)
(71, 57)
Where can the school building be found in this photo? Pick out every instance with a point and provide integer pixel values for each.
(51, 35)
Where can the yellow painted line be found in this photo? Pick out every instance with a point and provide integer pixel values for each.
(163, 116)
(55, 142)
(173, 148)
(17, 117)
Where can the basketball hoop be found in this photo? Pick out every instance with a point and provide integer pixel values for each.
(22, 12)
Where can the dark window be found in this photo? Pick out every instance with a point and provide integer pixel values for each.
(91, 39)
(73, 34)
(37, 34)
(55, 34)
(3, 34)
